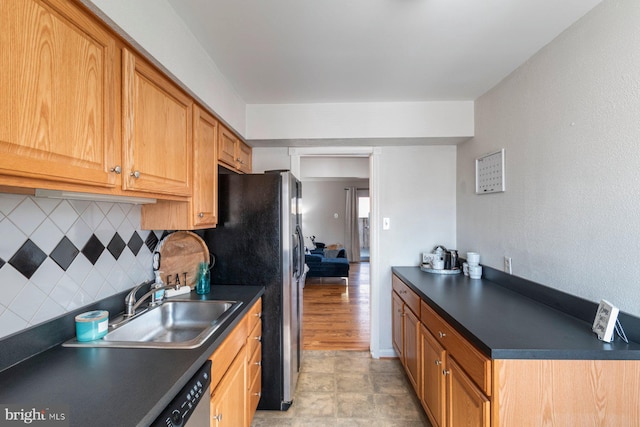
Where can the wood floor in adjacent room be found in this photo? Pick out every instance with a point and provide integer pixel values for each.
(336, 316)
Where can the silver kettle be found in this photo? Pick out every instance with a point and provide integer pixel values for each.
(453, 254)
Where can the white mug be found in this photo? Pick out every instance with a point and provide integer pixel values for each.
(437, 263)
(475, 271)
(465, 268)
(473, 258)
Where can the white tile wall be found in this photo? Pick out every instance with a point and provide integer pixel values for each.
(51, 291)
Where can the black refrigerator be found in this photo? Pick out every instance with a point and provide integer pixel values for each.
(259, 241)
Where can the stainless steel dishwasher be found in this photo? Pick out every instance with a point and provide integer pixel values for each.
(191, 406)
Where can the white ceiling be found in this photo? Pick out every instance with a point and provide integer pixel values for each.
(314, 51)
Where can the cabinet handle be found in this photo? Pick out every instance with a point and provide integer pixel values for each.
(257, 394)
(438, 362)
(259, 338)
(135, 174)
(217, 417)
(258, 315)
(201, 215)
(446, 372)
(442, 334)
(258, 363)
(117, 169)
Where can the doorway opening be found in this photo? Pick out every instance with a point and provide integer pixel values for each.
(337, 313)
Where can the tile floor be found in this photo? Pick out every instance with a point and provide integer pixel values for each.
(348, 388)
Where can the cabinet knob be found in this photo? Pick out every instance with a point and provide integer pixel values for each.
(258, 315)
(117, 169)
(446, 372)
(442, 334)
(258, 363)
(135, 174)
(257, 394)
(217, 417)
(201, 215)
(438, 362)
(259, 338)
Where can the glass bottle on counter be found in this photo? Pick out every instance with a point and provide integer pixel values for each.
(203, 285)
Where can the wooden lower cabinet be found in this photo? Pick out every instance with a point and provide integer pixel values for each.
(412, 347)
(466, 404)
(432, 390)
(428, 348)
(535, 393)
(396, 321)
(459, 386)
(236, 373)
(406, 329)
(405, 339)
(228, 398)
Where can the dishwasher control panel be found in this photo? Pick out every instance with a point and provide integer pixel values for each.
(183, 405)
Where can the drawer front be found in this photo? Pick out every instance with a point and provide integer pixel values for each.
(255, 391)
(471, 360)
(255, 338)
(255, 314)
(221, 359)
(255, 364)
(408, 296)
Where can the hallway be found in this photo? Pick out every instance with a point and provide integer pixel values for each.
(335, 316)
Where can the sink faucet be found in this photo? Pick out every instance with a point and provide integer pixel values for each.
(132, 304)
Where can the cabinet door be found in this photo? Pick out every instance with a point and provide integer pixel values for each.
(396, 321)
(228, 399)
(467, 405)
(205, 174)
(58, 90)
(227, 142)
(243, 157)
(157, 145)
(433, 380)
(411, 347)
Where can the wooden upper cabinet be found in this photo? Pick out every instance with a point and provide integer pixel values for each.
(58, 86)
(227, 142)
(205, 172)
(244, 157)
(201, 210)
(157, 123)
(232, 152)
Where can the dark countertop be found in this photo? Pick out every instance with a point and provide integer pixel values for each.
(116, 386)
(507, 325)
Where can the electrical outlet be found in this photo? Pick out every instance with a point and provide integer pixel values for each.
(507, 265)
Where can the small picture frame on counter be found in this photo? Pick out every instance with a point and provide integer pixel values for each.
(605, 321)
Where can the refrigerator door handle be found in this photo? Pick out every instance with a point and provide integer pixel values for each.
(300, 254)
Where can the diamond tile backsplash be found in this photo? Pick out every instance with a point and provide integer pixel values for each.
(59, 255)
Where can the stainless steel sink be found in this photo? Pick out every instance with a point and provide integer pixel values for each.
(174, 324)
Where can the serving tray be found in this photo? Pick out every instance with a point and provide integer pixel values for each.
(427, 268)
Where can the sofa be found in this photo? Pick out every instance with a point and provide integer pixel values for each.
(323, 266)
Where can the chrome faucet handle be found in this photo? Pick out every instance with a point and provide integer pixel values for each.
(130, 299)
(131, 309)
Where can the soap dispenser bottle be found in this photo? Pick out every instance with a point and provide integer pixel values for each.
(159, 295)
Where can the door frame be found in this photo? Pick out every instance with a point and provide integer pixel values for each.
(373, 153)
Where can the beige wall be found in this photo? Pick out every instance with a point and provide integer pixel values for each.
(569, 119)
